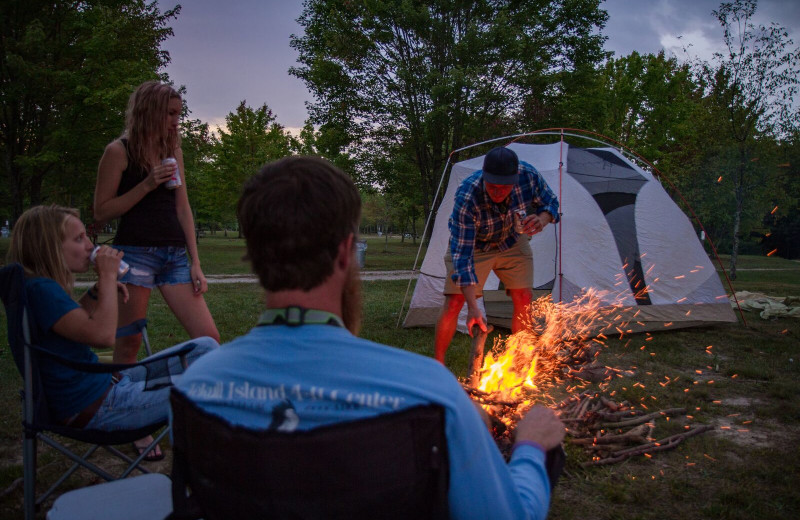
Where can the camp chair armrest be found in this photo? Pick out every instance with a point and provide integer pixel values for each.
(108, 368)
(133, 328)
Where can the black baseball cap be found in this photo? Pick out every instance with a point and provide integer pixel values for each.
(501, 166)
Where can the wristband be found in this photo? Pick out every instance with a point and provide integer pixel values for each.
(529, 443)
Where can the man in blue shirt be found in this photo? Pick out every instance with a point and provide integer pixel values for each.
(496, 210)
(303, 366)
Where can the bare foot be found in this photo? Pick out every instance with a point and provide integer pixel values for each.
(154, 455)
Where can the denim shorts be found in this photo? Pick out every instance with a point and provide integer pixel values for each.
(155, 266)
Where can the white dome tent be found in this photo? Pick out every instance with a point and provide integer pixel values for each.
(620, 235)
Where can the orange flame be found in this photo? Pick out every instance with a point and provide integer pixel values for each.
(527, 361)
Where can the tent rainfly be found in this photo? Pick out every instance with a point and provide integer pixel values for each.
(619, 233)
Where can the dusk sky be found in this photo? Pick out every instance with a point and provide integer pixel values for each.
(226, 52)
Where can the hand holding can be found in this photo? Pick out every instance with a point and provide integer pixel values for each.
(123, 266)
(175, 180)
(519, 216)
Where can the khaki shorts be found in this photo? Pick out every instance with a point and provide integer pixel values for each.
(513, 266)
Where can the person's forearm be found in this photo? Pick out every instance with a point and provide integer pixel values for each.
(470, 296)
(89, 299)
(104, 312)
(118, 206)
(529, 473)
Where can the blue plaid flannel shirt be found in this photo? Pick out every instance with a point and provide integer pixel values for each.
(478, 223)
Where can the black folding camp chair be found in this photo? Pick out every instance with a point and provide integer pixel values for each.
(137, 327)
(389, 466)
(37, 423)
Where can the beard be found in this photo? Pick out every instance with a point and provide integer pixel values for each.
(351, 300)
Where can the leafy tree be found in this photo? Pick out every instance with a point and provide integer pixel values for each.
(198, 145)
(754, 83)
(251, 138)
(425, 78)
(641, 101)
(326, 142)
(66, 71)
(783, 220)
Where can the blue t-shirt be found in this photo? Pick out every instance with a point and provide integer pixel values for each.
(309, 376)
(68, 391)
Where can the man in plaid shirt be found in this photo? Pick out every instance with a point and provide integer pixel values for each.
(496, 211)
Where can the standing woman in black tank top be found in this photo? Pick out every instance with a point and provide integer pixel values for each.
(156, 228)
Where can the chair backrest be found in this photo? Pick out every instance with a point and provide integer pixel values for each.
(12, 292)
(390, 466)
(22, 333)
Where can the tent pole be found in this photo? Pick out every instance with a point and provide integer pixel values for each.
(424, 234)
(434, 207)
(624, 148)
(560, 223)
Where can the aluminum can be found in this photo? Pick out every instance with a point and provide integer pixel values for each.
(123, 266)
(519, 216)
(175, 180)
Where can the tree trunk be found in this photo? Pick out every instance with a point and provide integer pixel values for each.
(737, 220)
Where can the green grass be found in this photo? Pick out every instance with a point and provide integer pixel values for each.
(391, 254)
(223, 255)
(723, 474)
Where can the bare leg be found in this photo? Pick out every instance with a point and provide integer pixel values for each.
(127, 349)
(520, 299)
(191, 310)
(446, 325)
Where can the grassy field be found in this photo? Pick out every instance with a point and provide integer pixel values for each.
(749, 389)
(223, 255)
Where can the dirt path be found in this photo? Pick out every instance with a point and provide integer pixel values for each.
(365, 275)
(238, 278)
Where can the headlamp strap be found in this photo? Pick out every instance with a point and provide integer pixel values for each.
(296, 316)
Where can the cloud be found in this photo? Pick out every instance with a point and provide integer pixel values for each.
(692, 44)
(294, 130)
(685, 28)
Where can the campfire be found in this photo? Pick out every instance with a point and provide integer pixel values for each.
(557, 353)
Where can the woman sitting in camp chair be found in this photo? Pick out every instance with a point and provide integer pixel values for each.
(51, 244)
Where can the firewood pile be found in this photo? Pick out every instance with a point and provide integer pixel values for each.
(612, 432)
(608, 431)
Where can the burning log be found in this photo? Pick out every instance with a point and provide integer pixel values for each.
(476, 354)
(486, 398)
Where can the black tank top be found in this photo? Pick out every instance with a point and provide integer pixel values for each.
(153, 221)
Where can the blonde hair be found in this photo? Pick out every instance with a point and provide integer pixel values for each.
(145, 123)
(36, 243)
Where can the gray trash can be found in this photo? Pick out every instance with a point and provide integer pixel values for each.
(361, 253)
